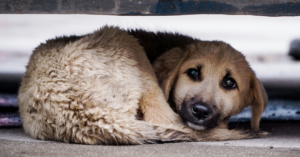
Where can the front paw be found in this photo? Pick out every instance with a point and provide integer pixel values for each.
(255, 134)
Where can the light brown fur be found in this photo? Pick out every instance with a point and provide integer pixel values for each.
(90, 90)
(216, 58)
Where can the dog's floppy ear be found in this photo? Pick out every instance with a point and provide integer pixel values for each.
(167, 66)
(259, 101)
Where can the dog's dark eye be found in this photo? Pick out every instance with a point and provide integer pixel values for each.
(193, 74)
(229, 83)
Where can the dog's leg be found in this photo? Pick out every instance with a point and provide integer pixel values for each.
(154, 106)
(218, 134)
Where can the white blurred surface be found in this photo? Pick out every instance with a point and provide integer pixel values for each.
(259, 38)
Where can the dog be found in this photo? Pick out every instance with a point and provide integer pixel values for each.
(117, 86)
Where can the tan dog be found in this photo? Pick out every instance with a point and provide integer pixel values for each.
(101, 89)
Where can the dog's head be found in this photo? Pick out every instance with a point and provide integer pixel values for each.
(209, 82)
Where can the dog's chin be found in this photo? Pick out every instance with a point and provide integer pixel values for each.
(196, 127)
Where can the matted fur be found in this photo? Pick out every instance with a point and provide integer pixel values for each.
(101, 89)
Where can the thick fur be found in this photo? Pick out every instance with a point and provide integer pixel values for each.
(102, 89)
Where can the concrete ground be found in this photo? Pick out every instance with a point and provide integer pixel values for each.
(283, 140)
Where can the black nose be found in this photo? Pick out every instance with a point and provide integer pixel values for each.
(200, 111)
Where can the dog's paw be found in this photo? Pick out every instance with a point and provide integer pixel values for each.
(255, 134)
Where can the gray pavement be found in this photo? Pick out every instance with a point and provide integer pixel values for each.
(283, 140)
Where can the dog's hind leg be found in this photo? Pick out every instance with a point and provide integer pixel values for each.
(155, 109)
(152, 103)
(138, 132)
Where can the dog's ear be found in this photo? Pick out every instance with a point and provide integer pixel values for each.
(167, 66)
(259, 101)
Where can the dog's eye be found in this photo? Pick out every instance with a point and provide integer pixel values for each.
(193, 74)
(229, 83)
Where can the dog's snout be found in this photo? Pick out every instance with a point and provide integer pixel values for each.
(201, 111)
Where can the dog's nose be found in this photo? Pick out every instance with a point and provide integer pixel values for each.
(200, 111)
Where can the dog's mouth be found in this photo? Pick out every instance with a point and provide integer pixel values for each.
(201, 124)
(200, 117)
(198, 127)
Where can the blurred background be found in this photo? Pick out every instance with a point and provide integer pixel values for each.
(265, 41)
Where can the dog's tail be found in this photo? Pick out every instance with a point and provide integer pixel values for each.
(216, 134)
(138, 132)
(127, 132)
(143, 133)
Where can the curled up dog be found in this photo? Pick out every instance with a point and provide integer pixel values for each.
(133, 87)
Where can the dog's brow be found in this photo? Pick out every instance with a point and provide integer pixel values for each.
(199, 67)
(228, 73)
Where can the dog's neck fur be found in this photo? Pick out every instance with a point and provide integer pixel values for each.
(155, 44)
